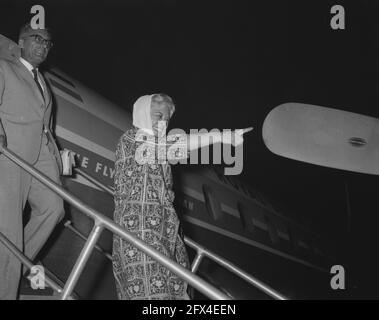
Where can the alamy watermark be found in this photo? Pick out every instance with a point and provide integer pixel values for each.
(337, 282)
(179, 147)
(37, 277)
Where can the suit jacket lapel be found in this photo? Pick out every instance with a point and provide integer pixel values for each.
(25, 73)
(46, 90)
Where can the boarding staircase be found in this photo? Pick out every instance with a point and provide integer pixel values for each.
(58, 290)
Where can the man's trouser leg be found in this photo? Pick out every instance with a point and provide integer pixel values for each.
(47, 206)
(14, 185)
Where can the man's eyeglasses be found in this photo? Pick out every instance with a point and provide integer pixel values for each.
(41, 40)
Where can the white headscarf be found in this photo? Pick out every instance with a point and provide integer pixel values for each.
(141, 114)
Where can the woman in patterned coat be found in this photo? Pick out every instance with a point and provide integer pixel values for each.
(144, 203)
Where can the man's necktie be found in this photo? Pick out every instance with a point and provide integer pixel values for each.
(35, 74)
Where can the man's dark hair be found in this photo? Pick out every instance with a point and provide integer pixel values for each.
(27, 28)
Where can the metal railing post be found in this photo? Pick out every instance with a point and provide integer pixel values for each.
(69, 226)
(196, 262)
(82, 260)
(234, 269)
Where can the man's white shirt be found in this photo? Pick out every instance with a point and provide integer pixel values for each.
(30, 68)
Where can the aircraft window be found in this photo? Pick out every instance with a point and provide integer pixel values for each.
(304, 242)
(251, 194)
(220, 175)
(212, 203)
(257, 217)
(234, 184)
(66, 90)
(261, 200)
(218, 172)
(246, 220)
(273, 233)
(239, 186)
(282, 230)
(229, 181)
(62, 78)
(244, 189)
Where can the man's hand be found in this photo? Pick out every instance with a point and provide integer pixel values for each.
(68, 161)
(236, 138)
(3, 141)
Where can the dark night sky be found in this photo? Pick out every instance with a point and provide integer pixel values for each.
(227, 64)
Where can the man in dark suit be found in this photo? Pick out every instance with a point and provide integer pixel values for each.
(25, 128)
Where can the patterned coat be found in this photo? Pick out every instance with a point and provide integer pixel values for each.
(144, 207)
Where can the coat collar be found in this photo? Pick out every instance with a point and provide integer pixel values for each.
(28, 77)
